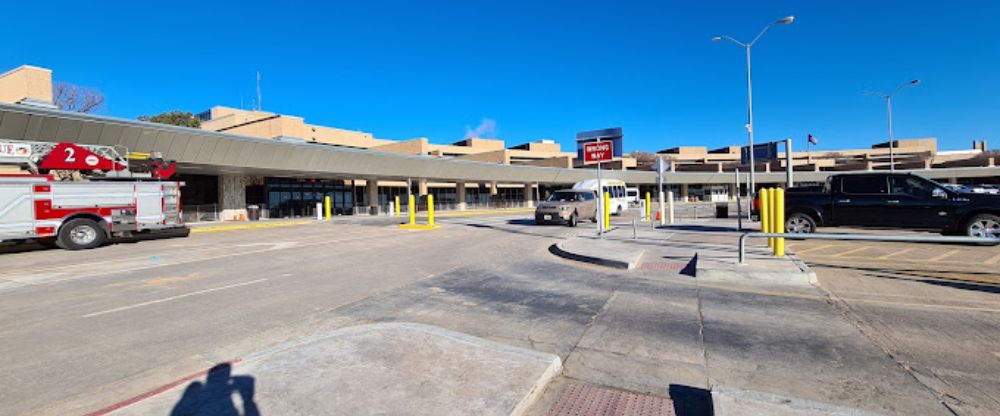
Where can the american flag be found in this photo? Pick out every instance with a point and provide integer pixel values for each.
(812, 140)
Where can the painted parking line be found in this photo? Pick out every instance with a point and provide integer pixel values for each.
(234, 227)
(168, 299)
(811, 249)
(944, 255)
(895, 253)
(851, 251)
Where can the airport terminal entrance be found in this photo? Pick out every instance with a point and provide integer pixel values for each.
(288, 197)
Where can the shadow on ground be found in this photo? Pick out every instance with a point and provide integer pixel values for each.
(214, 397)
(691, 401)
(701, 228)
(29, 246)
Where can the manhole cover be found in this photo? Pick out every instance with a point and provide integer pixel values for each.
(583, 400)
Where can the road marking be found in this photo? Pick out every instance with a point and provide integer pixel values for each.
(168, 299)
(944, 255)
(202, 254)
(905, 250)
(200, 230)
(280, 245)
(862, 248)
(814, 248)
(156, 391)
(168, 280)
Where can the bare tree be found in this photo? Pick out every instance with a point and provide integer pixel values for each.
(70, 97)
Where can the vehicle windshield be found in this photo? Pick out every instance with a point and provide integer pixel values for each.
(564, 196)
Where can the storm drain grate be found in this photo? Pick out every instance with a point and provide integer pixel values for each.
(583, 400)
(663, 266)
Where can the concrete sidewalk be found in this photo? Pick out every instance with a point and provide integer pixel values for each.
(387, 368)
(710, 245)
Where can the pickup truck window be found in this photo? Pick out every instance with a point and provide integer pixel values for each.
(852, 184)
(909, 185)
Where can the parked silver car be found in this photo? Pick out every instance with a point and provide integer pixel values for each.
(568, 207)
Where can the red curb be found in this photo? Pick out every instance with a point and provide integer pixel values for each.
(155, 391)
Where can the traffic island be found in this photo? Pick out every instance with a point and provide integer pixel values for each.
(761, 267)
(593, 250)
(385, 368)
(711, 252)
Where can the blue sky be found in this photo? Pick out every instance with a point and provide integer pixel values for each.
(538, 69)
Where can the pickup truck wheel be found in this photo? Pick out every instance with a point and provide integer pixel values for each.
(80, 234)
(983, 226)
(799, 223)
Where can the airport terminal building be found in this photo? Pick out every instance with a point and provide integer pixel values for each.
(239, 158)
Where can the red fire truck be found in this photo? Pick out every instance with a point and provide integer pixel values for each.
(80, 196)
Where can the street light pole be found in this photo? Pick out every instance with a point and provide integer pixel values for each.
(892, 141)
(888, 109)
(749, 126)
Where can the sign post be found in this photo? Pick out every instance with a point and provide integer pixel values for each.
(661, 166)
(598, 152)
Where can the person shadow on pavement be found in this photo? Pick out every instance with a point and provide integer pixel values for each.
(215, 396)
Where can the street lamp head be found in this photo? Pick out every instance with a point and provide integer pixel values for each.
(786, 20)
(717, 39)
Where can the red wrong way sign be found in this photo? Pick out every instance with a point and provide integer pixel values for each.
(596, 152)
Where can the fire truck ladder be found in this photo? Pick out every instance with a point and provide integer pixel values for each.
(38, 151)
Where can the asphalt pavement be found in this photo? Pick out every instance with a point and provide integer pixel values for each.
(83, 331)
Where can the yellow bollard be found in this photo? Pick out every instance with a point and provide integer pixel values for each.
(328, 210)
(413, 212)
(779, 221)
(765, 214)
(430, 210)
(771, 223)
(607, 211)
(397, 205)
(648, 208)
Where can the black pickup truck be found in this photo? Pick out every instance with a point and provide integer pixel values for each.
(899, 200)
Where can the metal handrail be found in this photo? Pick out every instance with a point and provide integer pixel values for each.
(864, 237)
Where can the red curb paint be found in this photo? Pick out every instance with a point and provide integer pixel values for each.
(156, 391)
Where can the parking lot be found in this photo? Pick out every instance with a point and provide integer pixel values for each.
(86, 330)
(932, 307)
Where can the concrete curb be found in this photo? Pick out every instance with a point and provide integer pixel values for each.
(730, 401)
(558, 250)
(813, 280)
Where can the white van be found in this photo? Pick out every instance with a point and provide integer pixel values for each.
(632, 194)
(614, 187)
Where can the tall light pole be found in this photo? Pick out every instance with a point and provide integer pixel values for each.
(888, 107)
(749, 125)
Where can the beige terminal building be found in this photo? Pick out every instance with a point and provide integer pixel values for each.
(284, 165)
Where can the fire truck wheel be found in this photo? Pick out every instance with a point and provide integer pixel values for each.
(80, 234)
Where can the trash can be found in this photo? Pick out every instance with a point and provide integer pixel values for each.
(253, 212)
(722, 210)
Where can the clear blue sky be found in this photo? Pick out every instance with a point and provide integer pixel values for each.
(539, 69)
